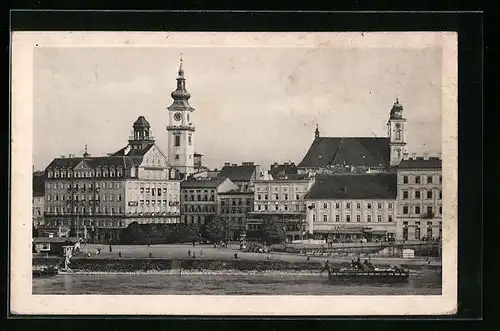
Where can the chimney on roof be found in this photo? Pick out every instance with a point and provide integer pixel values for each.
(234, 164)
(440, 155)
(63, 156)
(426, 156)
(286, 163)
(71, 155)
(405, 156)
(414, 156)
(227, 164)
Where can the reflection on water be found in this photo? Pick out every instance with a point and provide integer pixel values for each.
(421, 282)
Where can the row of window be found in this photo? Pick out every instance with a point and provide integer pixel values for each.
(238, 202)
(153, 191)
(277, 197)
(276, 207)
(417, 223)
(368, 218)
(197, 219)
(235, 210)
(84, 210)
(430, 234)
(422, 179)
(200, 208)
(198, 191)
(199, 198)
(85, 174)
(69, 197)
(84, 186)
(367, 205)
(418, 194)
(277, 188)
(418, 211)
(100, 223)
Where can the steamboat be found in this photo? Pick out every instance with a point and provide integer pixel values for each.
(368, 272)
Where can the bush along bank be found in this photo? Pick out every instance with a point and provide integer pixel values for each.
(131, 265)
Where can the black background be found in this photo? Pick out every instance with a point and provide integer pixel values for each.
(470, 33)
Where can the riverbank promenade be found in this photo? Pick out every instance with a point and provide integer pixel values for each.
(201, 251)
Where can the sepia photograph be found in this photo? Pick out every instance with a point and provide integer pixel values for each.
(300, 173)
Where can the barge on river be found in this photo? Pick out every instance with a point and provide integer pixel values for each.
(369, 273)
(39, 272)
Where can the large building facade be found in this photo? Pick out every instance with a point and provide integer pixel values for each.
(420, 198)
(283, 199)
(200, 198)
(95, 197)
(352, 207)
(234, 208)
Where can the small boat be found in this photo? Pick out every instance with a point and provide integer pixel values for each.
(369, 273)
(39, 272)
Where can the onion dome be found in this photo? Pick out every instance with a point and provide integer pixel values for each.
(397, 110)
(141, 123)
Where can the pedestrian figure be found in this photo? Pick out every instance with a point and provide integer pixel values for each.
(326, 267)
(308, 258)
(235, 255)
(150, 255)
(201, 253)
(119, 254)
(98, 250)
(110, 249)
(189, 253)
(193, 243)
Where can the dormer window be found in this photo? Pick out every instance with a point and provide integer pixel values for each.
(50, 174)
(63, 174)
(70, 174)
(56, 174)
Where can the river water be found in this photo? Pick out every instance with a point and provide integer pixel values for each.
(421, 282)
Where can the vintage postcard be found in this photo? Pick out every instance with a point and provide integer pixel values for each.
(234, 173)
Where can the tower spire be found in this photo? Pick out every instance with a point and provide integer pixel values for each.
(181, 71)
(86, 154)
(316, 132)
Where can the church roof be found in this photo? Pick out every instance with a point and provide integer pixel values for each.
(282, 170)
(238, 172)
(337, 187)
(354, 151)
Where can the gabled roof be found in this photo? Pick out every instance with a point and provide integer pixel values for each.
(38, 184)
(202, 183)
(431, 163)
(238, 172)
(134, 152)
(373, 186)
(354, 151)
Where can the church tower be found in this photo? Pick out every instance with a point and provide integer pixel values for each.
(396, 133)
(180, 129)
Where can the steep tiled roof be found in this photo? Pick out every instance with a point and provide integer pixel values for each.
(238, 172)
(364, 151)
(38, 184)
(202, 183)
(434, 163)
(373, 186)
(94, 162)
(134, 152)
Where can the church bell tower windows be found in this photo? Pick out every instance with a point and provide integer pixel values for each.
(395, 128)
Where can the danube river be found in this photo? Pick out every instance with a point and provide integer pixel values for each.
(421, 282)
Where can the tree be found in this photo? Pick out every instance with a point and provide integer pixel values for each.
(215, 229)
(273, 231)
(133, 234)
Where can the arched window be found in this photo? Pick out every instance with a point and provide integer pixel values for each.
(398, 134)
(132, 172)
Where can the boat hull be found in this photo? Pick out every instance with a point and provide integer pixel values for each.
(368, 276)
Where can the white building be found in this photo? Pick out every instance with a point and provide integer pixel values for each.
(352, 207)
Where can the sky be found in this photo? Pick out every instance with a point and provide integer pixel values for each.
(257, 104)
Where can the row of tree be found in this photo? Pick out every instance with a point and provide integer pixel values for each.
(215, 229)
